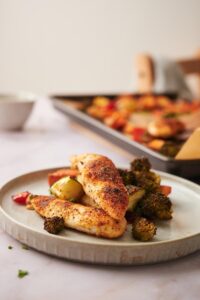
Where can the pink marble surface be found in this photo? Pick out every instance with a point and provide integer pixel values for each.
(47, 141)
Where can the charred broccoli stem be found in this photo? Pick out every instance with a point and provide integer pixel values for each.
(155, 206)
(140, 165)
(54, 225)
(128, 177)
(143, 229)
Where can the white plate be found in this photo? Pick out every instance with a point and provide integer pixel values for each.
(175, 238)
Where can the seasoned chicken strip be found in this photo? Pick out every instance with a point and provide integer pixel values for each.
(91, 220)
(102, 183)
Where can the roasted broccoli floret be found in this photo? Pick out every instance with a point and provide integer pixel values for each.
(145, 178)
(128, 177)
(154, 177)
(54, 225)
(140, 165)
(143, 229)
(149, 181)
(155, 206)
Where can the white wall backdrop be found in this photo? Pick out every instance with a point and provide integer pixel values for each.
(88, 45)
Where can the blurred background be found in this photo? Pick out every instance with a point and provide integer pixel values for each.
(64, 46)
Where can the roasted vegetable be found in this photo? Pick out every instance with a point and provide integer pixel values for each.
(57, 175)
(101, 101)
(155, 206)
(170, 148)
(149, 181)
(67, 189)
(156, 144)
(126, 103)
(116, 120)
(128, 177)
(134, 195)
(21, 198)
(154, 176)
(143, 229)
(145, 178)
(140, 165)
(165, 189)
(138, 134)
(54, 225)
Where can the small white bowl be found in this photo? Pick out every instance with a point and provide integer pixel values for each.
(15, 110)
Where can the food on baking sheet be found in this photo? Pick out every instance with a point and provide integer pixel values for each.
(107, 198)
(170, 148)
(154, 121)
(165, 128)
(129, 104)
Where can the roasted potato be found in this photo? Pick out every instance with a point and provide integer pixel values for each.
(134, 195)
(67, 189)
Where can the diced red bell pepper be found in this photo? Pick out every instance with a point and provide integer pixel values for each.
(21, 198)
(165, 189)
(55, 176)
(138, 133)
(111, 105)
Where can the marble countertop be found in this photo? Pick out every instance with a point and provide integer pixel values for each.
(48, 140)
